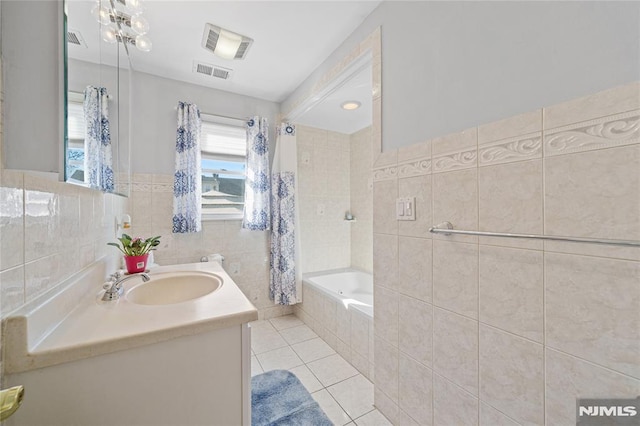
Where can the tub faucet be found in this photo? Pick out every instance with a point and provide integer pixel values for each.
(114, 286)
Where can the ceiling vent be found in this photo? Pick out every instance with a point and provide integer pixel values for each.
(74, 37)
(224, 43)
(211, 70)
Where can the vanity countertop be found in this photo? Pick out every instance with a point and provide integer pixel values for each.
(60, 329)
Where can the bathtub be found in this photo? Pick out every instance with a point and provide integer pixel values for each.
(352, 288)
(338, 306)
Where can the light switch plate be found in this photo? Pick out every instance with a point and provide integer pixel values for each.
(406, 208)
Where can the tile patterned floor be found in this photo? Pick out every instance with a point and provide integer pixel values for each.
(345, 395)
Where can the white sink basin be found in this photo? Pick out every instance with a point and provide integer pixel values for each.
(174, 287)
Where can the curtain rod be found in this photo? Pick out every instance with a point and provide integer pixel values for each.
(220, 115)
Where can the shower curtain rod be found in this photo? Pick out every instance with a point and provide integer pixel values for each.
(446, 228)
(220, 115)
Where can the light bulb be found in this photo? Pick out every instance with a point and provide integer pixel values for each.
(350, 105)
(228, 44)
(139, 25)
(143, 43)
(134, 6)
(109, 34)
(101, 14)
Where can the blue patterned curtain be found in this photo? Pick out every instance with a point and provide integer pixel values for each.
(285, 274)
(98, 163)
(256, 188)
(187, 182)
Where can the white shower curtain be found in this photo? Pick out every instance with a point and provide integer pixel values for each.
(98, 162)
(286, 277)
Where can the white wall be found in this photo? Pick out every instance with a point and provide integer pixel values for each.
(448, 66)
(154, 117)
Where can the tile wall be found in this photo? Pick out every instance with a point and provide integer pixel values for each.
(246, 252)
(346, 329)
(475, 330)
(324, 188)
(362, 200)
(49, 231)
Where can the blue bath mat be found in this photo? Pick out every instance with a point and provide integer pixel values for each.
(278, 398)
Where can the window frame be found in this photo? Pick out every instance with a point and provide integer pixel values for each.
(208, 118)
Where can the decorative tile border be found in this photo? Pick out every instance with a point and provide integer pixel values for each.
(414, 168)
(509, 150)
(162, 187)
(141, 187)
(604, 132)
(385, 173)
(454, 161)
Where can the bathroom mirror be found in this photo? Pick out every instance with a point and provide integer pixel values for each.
(334, 132)
(96, 145)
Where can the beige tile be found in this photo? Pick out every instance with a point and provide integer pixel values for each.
(519, 148)
(415, 151)
(415, 390)
(405, 420)
(455, 277)
(279, 359)
(373, 418)
(416, 332)
(385, 306)
(332, 369)
(386, 158)
(331, 408)
(287, 321)
(384, 199)
(297, 334)
(585, 318)
(584, 198)
(360, 363)
(386, 369)
(312, 350)
(452, 405)
(12, 220)
(608, 102)
(385, 267)
(455, 349)
(415, 258)
(489, 416)
(420, 188)
(386, 406)
(11, 289)
(510, 200)
(511, 290)
(512, 375)
(307, 378)
(455, 200)
(256, 368)
(329, 314)
(455, 142)
(570, 378)
(605, 132)
(355, 395)
(517, 125)
(360, 333)
(266, 340)
(343, 324)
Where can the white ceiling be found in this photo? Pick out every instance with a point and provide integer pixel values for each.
(291, 39)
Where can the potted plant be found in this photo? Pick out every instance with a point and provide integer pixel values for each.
(136, 251)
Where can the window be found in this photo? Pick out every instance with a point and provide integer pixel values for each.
(75, 137)
(223, 143)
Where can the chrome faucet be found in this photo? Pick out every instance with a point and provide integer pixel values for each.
(114, 286)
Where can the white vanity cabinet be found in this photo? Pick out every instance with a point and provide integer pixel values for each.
(126, 364)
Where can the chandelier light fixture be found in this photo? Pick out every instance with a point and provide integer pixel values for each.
(122, 21)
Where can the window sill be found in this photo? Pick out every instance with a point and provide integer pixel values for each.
(216, 217)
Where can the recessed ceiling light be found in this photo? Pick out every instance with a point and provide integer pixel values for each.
(350, 105)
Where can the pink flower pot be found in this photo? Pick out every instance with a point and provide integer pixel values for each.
(136, 264)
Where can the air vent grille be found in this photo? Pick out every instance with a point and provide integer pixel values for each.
(211, 70)
(74, 37)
